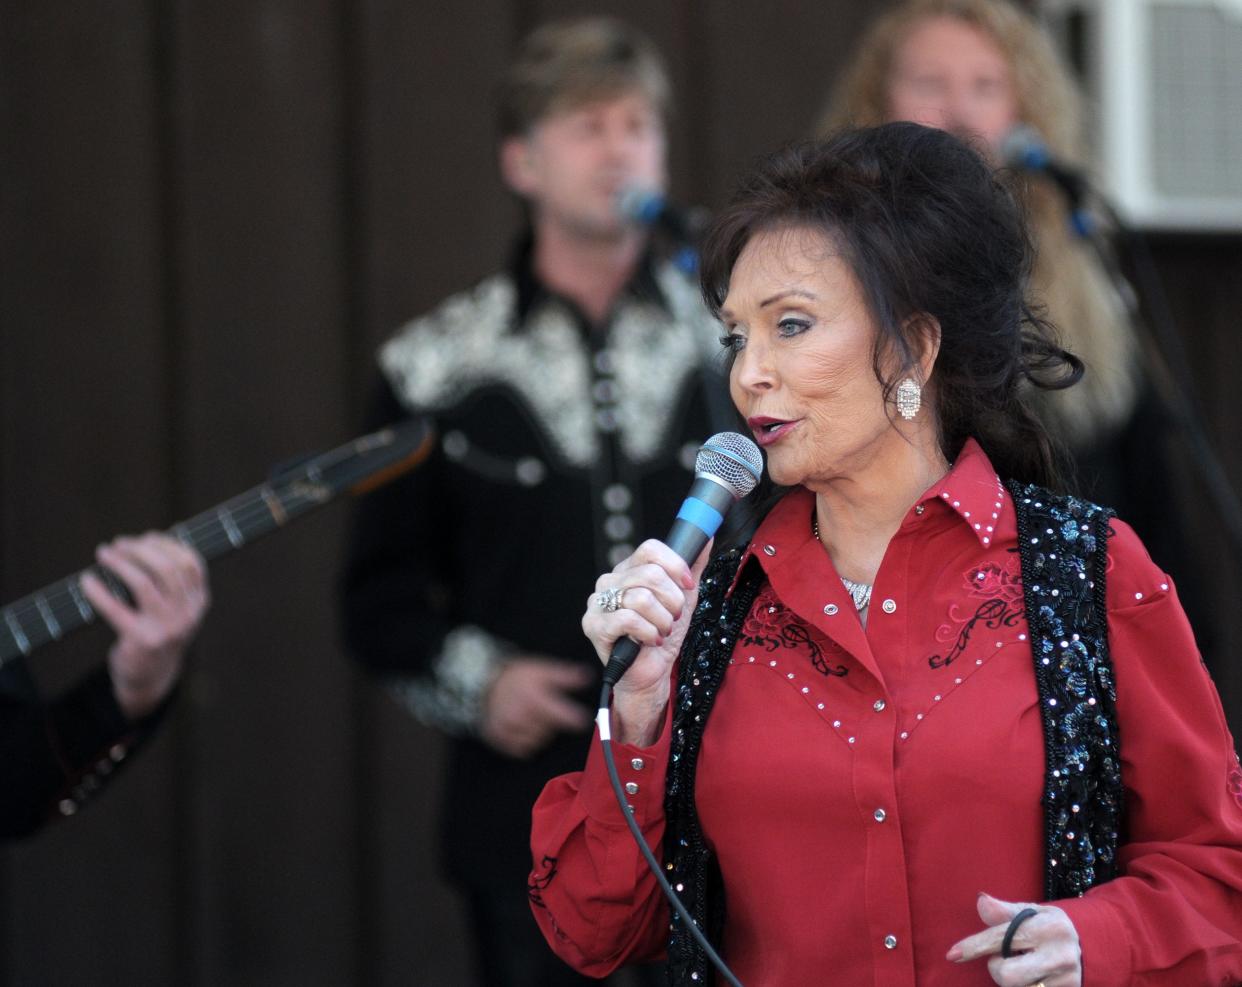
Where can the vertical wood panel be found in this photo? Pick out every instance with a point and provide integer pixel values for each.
(433, 213)
(1199, 274)
(83, 447)
(261, 300)
(434, 218)
(769, 74)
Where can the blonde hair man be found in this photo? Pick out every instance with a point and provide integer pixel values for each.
(567, 390)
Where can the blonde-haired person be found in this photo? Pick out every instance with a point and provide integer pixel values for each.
(978, 68)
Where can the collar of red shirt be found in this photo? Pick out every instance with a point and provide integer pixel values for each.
(971, 491)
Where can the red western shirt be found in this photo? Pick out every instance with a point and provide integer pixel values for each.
(860, 786)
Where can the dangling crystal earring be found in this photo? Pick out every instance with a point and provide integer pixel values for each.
(909, 398)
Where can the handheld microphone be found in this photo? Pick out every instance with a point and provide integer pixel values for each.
(726, 469)
(651, 207)
(1024, 149)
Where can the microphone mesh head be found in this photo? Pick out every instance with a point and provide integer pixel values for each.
(732, 459)
(1023, 148)
(636, 204)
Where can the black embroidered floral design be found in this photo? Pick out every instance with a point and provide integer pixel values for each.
(1000, 588)
(540, 880)
(770, 625)
(992, 614)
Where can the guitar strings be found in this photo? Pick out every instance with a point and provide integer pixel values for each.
(61, 602)
(205, 532)
(210, 538)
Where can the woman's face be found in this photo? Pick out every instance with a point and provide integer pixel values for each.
(802, 340)
(949, 74)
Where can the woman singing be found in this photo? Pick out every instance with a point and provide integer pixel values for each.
(930, 723)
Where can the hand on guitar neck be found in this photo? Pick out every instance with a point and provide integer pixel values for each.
(167, 584)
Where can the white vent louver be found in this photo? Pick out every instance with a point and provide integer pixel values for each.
(1165, 82)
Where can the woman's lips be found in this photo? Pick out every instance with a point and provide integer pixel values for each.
(768, 430)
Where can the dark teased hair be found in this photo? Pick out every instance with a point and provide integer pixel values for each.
(926, 229)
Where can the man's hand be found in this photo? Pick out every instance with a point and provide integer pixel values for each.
(528, 704)
(168, 583)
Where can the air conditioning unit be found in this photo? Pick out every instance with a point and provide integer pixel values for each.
(1164, 78)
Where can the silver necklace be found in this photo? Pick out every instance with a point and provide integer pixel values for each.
(860, 593)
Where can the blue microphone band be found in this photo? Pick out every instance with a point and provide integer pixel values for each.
(702, 515)
(696, 523)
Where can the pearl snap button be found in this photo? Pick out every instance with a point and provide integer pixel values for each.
(889, 606)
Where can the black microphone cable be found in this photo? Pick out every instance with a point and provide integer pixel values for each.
(605, 742)
(726, 469)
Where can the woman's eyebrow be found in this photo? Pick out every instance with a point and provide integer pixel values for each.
(726, 314)
(789, 292)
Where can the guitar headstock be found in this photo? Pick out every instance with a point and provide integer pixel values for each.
(363, 464)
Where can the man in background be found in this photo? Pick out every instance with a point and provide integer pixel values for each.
(571, 391)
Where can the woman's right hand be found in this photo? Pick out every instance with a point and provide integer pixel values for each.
(658, 594)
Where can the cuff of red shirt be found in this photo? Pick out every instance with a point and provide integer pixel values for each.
(1104, 940)
(647, 799)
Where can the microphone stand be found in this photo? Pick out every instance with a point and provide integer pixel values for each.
(1160, 348)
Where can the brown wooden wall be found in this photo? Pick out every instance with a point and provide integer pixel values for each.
(210, 213)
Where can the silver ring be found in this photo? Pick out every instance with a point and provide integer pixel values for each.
(609, 600)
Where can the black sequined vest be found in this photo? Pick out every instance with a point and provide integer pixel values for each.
(1062, 544)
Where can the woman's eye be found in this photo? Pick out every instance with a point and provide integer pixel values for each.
(732, 341)
(792, 327)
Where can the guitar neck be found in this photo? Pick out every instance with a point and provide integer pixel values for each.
(55, 610)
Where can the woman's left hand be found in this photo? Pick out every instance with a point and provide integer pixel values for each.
(1045, 949)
